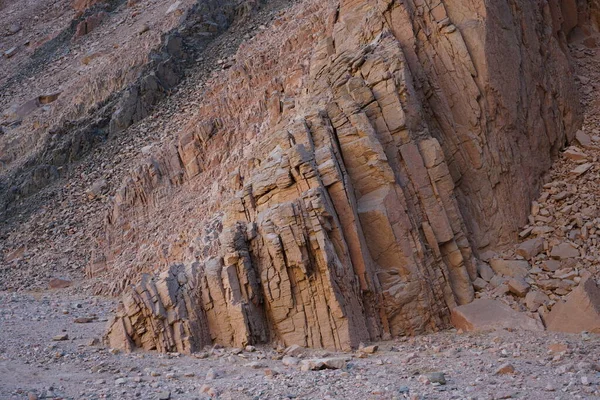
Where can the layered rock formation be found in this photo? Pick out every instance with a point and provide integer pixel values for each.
(335, 184)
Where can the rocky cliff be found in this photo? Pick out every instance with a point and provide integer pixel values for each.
(337, 182)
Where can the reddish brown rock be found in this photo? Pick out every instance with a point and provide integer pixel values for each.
(580, 312)
(57, 283)
(332, 173)
(510, 268)
(518, 286)
(530, 248)
(485, 315)
(564, 251)
(534, 299)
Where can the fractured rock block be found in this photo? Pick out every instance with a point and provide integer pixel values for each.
(485, 315)
(510, 268)
(580, 312)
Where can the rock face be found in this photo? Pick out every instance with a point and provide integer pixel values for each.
(337, 180)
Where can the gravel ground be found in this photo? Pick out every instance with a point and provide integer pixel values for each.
(34, 364)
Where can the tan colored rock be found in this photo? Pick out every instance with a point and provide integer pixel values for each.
(551, 265)
(581, 169)
(534, 299)
(485, 315)
(510, 268)
(322, 206)
(323, 363)
(505, 369)
(485, 271)
(580, 312)
(574, 153)
(563, 251)
(58, 283)
(530, 248)
(518, 286)
(479, 284)
(584, 139)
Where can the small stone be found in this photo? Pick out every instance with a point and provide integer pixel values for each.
(558, 348)
(14, 28)
(479, 284)
(585, 381)
(294, 350)
(369, 349)
(120, 381)
(10, 52)
(58, 283)
(32, 396)
(61, 337)
(535, 299)
(549, 388)
(505, 369)
(574, 153)
(83, 320)
(323, 363)
(581, 169)
(254, 365)
(530, 248)
(485, 271)
(144, 28)
(212, 374)
(250, 349)
(165, 395)
(290, 361)
(436, 377)
(518, 287)
(551, 265)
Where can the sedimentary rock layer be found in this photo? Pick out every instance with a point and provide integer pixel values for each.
(337, 181)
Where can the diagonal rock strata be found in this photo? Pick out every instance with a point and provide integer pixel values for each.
(337, 182)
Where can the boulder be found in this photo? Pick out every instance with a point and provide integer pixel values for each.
(564, 250)
(518, 286)
(580, 312)
(534, 299)
(574, 153)
(530, 248)
(551, 265)
(323, 363)
(485, 271)
(487, 314)
(511, 268)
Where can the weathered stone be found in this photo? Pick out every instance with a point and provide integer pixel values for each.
(575, 154)
(10, 52)
(551, 265)
(505, 369)
(485, 315)
(339, 180)
(530, 248)
(582, 169)
(511, 268)
(534, 299)
(61, 337)
(485, 271)
(58, 283)
(564, 251)
(580, 312)
(323, 363)
(518, 286)
(479, 284)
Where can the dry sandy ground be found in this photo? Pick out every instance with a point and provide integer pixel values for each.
(33, 365)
